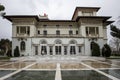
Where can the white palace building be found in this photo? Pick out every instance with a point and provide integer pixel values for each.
(38, 35)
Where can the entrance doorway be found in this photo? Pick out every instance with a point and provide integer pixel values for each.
(72, 50)
(58, 50)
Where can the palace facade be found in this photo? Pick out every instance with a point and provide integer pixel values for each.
(38, 35)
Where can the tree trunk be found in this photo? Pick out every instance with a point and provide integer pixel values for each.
(6, 50)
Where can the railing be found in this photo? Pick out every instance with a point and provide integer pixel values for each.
(62, 35)
(22, 35)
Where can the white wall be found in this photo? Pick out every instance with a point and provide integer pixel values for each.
(16, 42)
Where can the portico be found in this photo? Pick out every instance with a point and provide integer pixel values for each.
(58, 48)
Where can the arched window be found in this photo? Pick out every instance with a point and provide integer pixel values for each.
(73, 47)
(73, 42)
(43, 47)
(58, 47)
(58, 41)
(22, 46)
(43, 42)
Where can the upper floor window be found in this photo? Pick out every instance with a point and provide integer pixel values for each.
(44, 26)
(23, 30)
(76, 32)
(28, 30)
(57, 32)
(92, 31)
(70, 32)
(22, 46)
(45, 32)
(57, 25)
(38, 32)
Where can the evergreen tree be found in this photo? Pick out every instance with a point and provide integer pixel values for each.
(95, 49)
(16, 52)
(106, 51)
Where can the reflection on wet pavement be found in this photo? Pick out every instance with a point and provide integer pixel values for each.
(96, 64)
(15, 65)
(72, 66)
(113, 72)
(112, 62)
(83, 75)
(5, 72)
(43, 66)
(33, 75)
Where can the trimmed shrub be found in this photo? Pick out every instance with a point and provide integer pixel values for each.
(106, 51)
(95, 49)
(16, 52)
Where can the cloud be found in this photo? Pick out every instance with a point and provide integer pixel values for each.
(56, 9)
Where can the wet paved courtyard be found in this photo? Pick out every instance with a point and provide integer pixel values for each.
(87, 69)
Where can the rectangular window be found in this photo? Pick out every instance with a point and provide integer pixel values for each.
(17, 30)
(92, 31)
(56, 50)
(57, 25)
(51, 50)
(65, 50)
(36, 50)
(76, 32)
(28, 30)
(70, 32)
(70, 26)
(43, 50)
(79, 49)
(72, 50)
(38, 31)
(44, 25)
(87, 32)
(44, 32)
(57, 32)
(22, 30)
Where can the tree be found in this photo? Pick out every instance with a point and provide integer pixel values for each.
(95, 49)
(115, 42)
(106, 51)
(5, 46)
(16, 52)
(2, 8)
(115, 32)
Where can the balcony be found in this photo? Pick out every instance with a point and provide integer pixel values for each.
(22, 35)
(92, 36)
(59, 36)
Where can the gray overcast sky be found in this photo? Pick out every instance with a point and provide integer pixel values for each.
(56, 9)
